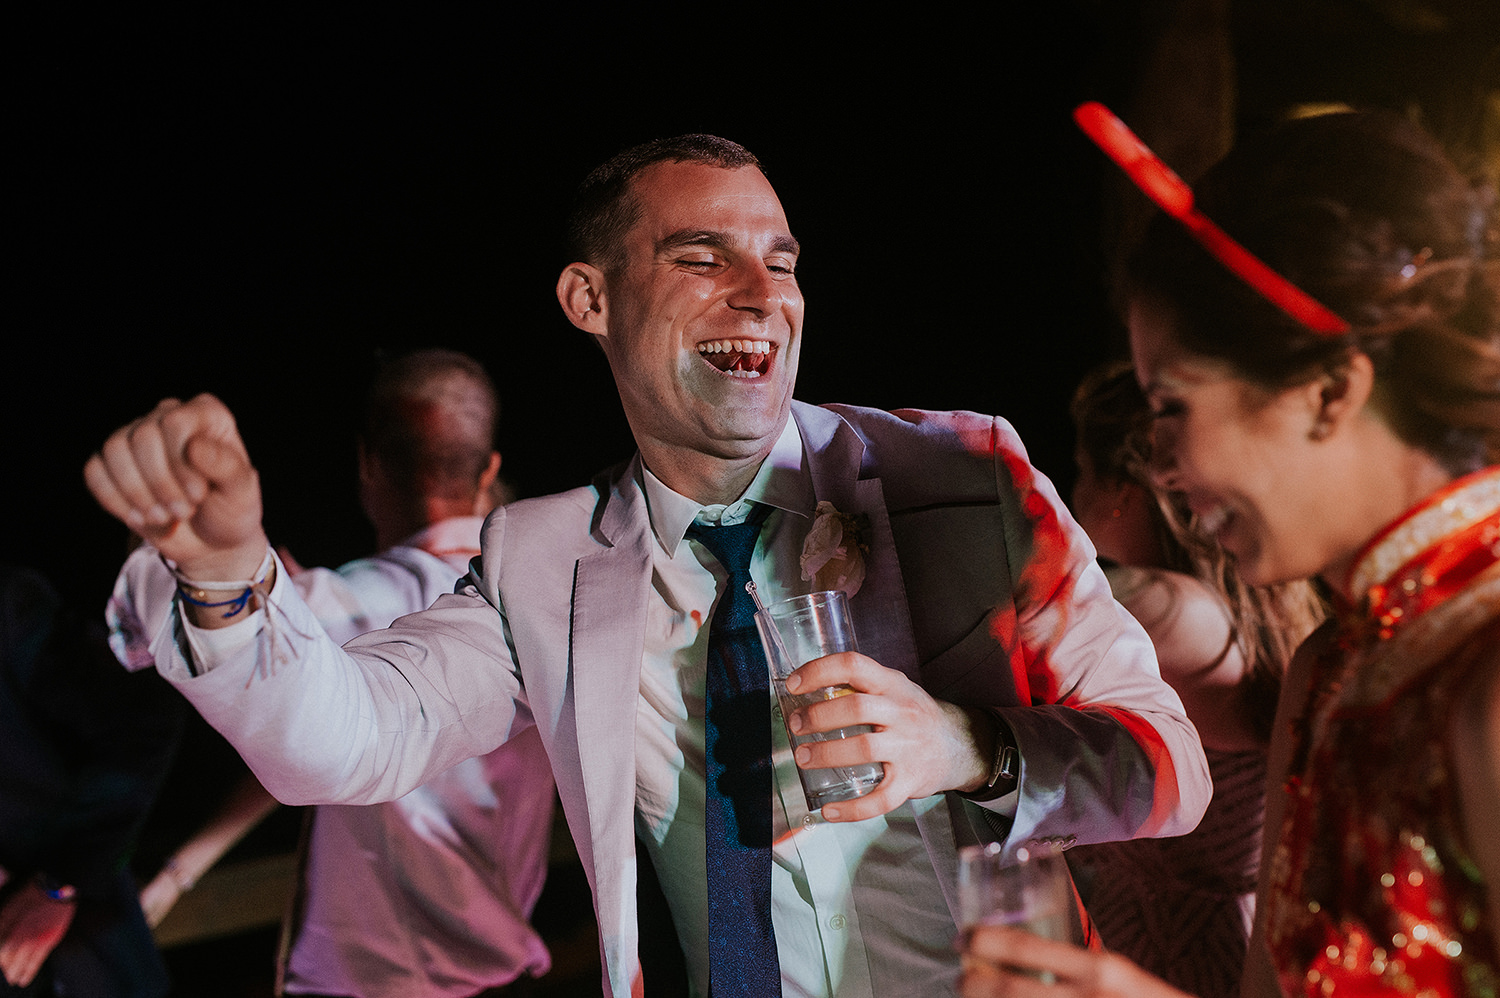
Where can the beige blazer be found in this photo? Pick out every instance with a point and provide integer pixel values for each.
(979, 586)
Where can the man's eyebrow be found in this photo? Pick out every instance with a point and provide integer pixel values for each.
(714, 239)
(786, 244)
(692, 237)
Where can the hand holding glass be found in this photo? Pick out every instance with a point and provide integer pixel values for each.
(1030, 891)
(794, 632)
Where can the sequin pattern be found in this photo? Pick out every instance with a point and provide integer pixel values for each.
(1372, 891)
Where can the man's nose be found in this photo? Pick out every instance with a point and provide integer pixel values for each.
(755, 289)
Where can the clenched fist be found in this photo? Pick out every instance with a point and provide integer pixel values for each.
(180, 477)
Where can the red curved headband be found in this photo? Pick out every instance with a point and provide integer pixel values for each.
(1175, 197)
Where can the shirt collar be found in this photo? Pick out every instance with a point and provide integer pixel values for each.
(457, 536)
(781, 481)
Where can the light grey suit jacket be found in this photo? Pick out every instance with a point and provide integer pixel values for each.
(979, 586)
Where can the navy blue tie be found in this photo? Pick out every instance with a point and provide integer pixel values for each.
(741, 942)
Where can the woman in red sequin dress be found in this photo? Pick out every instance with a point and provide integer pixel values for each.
(1366, 458)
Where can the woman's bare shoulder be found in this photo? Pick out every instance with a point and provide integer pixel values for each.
(1188, 623)
(1193, 634)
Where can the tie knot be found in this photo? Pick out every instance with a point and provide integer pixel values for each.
(732, 545)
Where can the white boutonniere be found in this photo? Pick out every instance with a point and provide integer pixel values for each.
(833, 555)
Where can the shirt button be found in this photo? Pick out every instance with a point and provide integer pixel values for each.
(837, 922)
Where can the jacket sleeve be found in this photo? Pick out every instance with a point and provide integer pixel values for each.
(365, 723)
(1107, 751)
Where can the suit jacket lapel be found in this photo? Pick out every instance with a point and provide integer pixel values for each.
(611, 592)
(610, 595)
(882, 618)
(882, 615)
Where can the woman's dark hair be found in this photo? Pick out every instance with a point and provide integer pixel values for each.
(1366, 213)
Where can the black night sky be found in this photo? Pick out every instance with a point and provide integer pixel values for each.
(255, 204)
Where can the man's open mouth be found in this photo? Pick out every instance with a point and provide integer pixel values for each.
(738, 358)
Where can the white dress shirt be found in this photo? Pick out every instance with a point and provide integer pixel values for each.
(856, 906)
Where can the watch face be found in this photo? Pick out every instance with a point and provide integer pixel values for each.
(1006, 765)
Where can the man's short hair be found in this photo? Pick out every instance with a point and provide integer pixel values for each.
(430, 419)
(604, 209)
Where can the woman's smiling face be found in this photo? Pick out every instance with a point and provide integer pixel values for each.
(1247, 460)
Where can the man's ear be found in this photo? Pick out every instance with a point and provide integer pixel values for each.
(482, 504)
(491, 469)
(580, 292)
(1342, 392)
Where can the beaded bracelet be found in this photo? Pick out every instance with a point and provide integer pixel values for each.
(196, 593)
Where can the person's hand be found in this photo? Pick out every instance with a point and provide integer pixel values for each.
(927, 746)
(180, 477)
(31, 926)
(1002, 962)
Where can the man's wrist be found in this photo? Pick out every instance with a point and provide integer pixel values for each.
(228, 568)
(218, 602)
(1002, 754)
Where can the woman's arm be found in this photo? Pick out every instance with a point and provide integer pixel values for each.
(248, 805)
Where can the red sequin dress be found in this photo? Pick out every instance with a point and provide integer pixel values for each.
(1372, 889)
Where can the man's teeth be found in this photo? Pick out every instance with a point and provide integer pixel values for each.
(735, 346)
(737, 358)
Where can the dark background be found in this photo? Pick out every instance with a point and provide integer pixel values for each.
(255, 204)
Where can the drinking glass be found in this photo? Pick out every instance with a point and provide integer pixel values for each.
(796, 631)
(1030, 890)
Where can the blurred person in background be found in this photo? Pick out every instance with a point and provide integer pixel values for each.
(430, 895)
(84, 748)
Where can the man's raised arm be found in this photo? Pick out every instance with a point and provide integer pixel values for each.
(315, 724)
(181, 478)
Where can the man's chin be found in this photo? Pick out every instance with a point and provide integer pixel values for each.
(739, 446)
(749, 436)
(727, 425)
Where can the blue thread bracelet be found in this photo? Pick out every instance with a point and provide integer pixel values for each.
(237, 604)
(195, 593)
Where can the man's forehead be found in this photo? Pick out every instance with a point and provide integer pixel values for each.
(689, 197)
